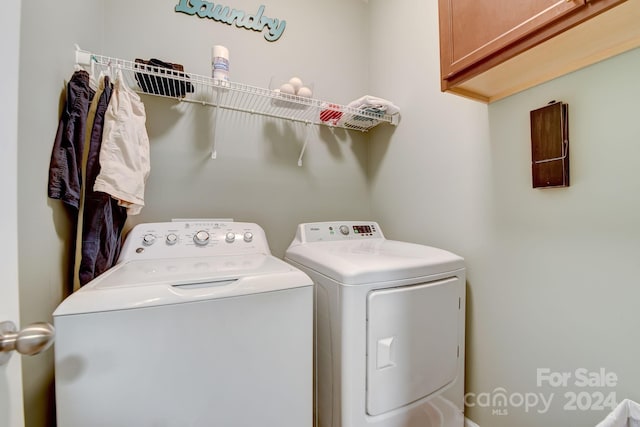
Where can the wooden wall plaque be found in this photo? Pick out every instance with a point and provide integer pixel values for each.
(550, 145)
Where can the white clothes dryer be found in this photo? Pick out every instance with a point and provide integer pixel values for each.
(389, 327)
(196, 325)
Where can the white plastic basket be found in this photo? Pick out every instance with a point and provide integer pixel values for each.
(626, 414)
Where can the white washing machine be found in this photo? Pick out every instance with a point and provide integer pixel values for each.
(389, 319)
(197, 325)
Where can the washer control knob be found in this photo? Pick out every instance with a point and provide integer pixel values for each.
(344, 230)
(201, 238)
(230, 237)
(148, 239)
(172, 239)
(248, 236)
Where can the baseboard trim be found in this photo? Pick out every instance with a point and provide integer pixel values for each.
(469, 423)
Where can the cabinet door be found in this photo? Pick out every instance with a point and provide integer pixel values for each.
(471, 30)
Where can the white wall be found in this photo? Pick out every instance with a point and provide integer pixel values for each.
(552, 281)
(571, 252)
(255, 178)
(48, 33)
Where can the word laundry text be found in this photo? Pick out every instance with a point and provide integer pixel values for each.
(219, 13)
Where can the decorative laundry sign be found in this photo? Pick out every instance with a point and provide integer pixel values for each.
(219, 13)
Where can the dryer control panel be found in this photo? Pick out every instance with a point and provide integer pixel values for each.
(337, 231)
(193, 238)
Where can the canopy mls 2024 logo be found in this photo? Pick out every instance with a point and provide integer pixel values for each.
(220, 13)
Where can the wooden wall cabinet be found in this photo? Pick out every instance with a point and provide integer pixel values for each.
(490, 49)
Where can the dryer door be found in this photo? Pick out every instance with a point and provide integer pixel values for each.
(412, 340)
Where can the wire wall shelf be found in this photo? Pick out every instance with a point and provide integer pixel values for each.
(177, 84)
(171, 81)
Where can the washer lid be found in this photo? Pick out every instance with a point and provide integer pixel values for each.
(357, 262)
(146, 283)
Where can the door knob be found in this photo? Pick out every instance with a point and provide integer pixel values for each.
(32, 340)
